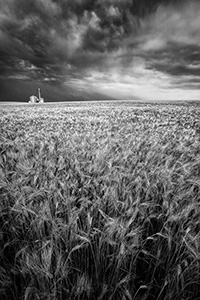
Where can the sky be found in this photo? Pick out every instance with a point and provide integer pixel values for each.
(100, 49)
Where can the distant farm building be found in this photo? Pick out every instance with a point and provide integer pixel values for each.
(35, 99)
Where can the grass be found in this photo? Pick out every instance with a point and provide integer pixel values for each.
(100, 201)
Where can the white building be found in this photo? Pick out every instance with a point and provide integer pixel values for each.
(35, 99)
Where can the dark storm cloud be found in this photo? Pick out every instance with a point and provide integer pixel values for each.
(175, 59)
(35, 31)
(62, 40)
(179, 69)
(168, 41)
(47, 32)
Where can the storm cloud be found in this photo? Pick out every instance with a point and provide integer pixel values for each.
(114, 47)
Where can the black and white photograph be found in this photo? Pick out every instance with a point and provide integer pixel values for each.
(100, 149)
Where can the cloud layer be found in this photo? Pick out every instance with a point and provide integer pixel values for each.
(118, 47)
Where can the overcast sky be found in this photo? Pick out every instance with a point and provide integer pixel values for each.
(124, 49)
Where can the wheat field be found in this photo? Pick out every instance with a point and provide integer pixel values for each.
(100, 201)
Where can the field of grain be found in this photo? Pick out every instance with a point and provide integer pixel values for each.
(100, 201)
